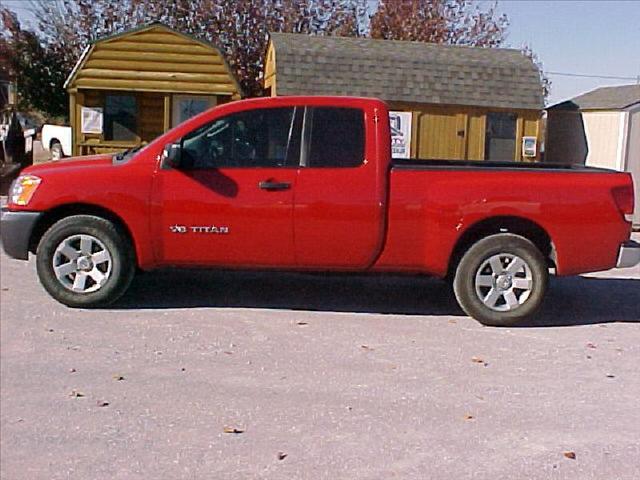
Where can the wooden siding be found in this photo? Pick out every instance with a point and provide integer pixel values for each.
(155, 59)
(153, 64)
(458, 133)
(270, 70)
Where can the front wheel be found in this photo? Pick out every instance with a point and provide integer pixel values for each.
(85, 261)
(501, 280)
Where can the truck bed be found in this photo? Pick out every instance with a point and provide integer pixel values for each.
(430, 164)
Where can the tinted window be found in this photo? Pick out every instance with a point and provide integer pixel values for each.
(120, 114)
(256, 138)
(336, 137)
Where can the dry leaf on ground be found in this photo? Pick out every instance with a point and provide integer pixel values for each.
(571, 455)
(232, 430)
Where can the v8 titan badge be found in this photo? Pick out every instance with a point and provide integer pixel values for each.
(219, 230)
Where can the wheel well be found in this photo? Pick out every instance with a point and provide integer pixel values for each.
(52, 216)
(516, 225)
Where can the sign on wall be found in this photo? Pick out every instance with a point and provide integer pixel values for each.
(91, 120)
(400, 134)
(529, 146)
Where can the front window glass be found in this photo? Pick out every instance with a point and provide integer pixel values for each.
(256, 138)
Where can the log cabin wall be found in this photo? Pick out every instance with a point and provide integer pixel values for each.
(146, 81)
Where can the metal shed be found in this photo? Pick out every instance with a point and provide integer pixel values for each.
(129, 88)
(462, 102)
(600, 128)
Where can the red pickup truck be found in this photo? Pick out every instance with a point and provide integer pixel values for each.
(308, 183)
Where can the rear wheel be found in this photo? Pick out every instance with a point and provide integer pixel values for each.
(501, 280)
(85, 261)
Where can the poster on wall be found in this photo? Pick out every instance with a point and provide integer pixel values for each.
(400, 134)
(91, 120)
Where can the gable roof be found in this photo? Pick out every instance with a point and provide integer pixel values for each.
(403, 71)
(154, 57)
(604, 98)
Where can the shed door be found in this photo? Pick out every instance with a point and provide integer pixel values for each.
(441, 135)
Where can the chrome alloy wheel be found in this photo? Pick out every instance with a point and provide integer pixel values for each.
(504, 282)
(82, 263)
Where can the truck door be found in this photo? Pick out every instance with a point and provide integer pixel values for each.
(341, 189)
(230, 202)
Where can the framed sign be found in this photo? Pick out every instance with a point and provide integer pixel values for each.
(400, 134)
(91, 120)
(529, 145)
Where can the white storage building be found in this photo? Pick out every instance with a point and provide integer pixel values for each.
(600, 128)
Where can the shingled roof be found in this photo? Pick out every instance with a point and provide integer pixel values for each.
(604, 98)
(399, 71)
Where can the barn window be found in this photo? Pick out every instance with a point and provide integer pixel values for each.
(500, 136)
(120, 118)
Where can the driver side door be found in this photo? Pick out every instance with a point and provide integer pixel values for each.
(230, 202)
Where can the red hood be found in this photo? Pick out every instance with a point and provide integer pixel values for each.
(73, 162)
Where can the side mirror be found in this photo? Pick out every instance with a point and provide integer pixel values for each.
(171, 155)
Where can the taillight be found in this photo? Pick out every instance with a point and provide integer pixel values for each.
(623, 197)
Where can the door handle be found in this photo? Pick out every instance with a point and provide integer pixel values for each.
(269, 185)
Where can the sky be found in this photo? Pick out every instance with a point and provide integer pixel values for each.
(578, 37)
(598, 37)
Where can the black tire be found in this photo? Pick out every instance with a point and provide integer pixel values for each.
(475, 277)
(56, 151)
(117, 277)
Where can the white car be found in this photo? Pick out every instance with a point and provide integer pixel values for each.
(57, 140)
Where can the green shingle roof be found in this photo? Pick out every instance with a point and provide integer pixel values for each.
(399, 71)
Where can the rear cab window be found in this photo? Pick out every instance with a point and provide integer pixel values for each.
(335, 137)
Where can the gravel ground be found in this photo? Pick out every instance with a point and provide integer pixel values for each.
(319, 377)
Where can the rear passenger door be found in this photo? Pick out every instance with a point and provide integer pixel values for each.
(340, 190)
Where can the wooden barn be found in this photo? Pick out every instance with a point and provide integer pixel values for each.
(129, 88)
(460, 103)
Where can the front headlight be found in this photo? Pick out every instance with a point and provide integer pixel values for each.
(23, 188)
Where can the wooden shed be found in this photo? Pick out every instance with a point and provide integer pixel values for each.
(464, 103)
(129, 88)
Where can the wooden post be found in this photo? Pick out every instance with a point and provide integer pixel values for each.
(73, 119)
(167, 111)
(519, 135)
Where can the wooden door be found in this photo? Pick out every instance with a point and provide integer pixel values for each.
(441, 135)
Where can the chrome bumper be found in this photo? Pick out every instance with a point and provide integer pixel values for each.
(629, 254)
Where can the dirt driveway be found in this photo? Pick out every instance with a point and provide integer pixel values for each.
(199, 375)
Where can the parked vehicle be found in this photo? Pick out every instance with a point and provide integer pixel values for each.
(57, 140)
(308, 183)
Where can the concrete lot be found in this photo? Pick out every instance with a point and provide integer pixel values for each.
(341, 378)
